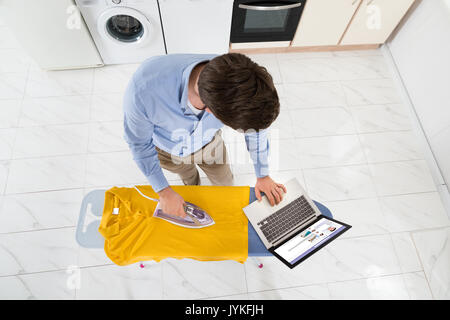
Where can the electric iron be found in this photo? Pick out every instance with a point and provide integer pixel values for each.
(195, 217)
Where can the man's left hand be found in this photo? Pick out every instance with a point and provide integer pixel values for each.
(273, 191)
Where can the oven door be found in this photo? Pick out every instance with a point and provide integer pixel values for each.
(259, 21)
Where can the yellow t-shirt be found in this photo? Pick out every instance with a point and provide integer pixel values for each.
(134, 235)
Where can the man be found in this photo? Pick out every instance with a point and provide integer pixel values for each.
(174, 107)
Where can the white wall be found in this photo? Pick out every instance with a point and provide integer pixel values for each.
(421, 52)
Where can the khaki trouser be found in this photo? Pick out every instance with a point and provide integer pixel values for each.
(212, 159)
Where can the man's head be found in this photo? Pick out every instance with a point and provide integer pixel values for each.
(239, 92)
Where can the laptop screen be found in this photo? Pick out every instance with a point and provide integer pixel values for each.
(309, 240)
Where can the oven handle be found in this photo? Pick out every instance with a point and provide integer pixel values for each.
(276, 8)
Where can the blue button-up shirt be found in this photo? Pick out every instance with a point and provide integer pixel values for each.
(156, 114)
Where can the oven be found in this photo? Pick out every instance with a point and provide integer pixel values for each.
(261, 21)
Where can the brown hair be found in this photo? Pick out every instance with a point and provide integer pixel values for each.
(239, 92)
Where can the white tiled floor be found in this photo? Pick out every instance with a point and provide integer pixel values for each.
(343, 132)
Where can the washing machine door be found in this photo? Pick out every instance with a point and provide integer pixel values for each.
(126, 26)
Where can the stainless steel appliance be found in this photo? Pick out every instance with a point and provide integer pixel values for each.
(263, 21)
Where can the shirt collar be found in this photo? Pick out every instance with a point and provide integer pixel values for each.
(184, 85)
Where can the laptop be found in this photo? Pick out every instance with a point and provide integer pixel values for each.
(295, 228)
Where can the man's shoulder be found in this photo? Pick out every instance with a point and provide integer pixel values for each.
(160, 76)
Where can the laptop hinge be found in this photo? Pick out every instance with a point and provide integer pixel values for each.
(274, 243)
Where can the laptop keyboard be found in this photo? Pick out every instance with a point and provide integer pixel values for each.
(278, 223)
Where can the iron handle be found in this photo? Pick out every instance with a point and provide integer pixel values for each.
(276, 8)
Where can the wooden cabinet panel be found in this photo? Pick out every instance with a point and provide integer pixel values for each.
(375, 21)
(324, 21)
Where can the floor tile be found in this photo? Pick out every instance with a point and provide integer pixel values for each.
(90, 257)
(239, 158)
(341, 260)
(106, 137)
(339, 183)
(243, 296)
(119, 283)
(417, 286)
(43, 174)
(35, 251)
(391, 146)
(397, 248)
(189, 279)
(12, 85)
(283, 155)
(59, 83)
(4, 169)
(379, 118)
(329, 151)
(308, 70)
(381, 288)
(9, 113)
(112, 168)
(414, 212)
(37, 286)
(170, 176)
(249, 179)
(364, 215)
(315, 292)
(322, 122)
(362, 67)
(14, 60)
(393, 178)
(366, 92)
(54, 140)
(282, 127)
(358, 53)
(107, 107)
(406, 252)
(42, 210)
(7, 137)
(312, 95)
(284, 176)
(113, 78)
(303, 55)
(231, 136)
(55, 110)
(434, 252)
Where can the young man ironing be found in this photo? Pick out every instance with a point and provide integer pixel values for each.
(174, 107)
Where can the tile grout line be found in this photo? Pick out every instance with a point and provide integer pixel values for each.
(88, 136)
(399, 262)
(378, 198)
(16, 132)
(420, 260)
(333, 282)
(319, 283)
(382, 212)
(243, 174)
(343, 238)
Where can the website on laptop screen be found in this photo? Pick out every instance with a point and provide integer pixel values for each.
(309, 239)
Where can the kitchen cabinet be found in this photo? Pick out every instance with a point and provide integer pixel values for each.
(196, 26)
(374, 21)
(324, 22)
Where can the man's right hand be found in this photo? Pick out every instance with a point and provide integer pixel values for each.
(171, 202)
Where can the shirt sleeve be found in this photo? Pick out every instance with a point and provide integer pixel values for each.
(138, 133)
(258, 147)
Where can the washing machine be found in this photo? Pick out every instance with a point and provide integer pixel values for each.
(124, 31)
